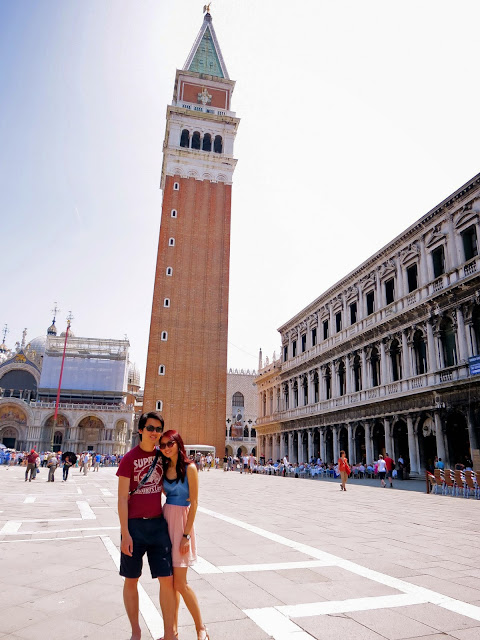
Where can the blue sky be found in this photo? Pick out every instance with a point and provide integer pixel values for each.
(357, 118)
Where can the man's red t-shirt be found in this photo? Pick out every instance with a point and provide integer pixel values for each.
(389, 463)
(147, 501)
(32, 457)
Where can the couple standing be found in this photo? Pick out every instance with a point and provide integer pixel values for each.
(168, 537)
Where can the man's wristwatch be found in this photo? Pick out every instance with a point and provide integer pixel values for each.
(187, 536)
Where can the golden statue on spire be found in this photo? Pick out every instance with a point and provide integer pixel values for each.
(206, 8)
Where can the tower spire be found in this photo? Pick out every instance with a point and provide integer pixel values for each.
(206, 56)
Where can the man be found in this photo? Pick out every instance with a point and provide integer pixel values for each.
(390, 464)
(52, 467)
(440, 464)
(143, 528)
(96, 467)
(31, 465)
(86, 463)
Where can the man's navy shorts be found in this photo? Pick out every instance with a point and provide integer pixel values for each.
(149, 536)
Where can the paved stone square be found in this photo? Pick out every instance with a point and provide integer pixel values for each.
(281, 558)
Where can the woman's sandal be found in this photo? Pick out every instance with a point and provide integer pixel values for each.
(205, 631)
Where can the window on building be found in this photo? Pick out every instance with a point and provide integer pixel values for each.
(164, 336)
(357, 373)
(176, 186)
(294, 348)
(470, 247)
(390, 290)
(476, 328)
(196, 140)
(438, 261)
(370, 298)
(420, 352)
(185, 138)
(341, 379)
(449, 346)
(166, 302)
(305, 391)
(169, 271)
(253, 433)
(174, 213)
(375, 364)
(295, 394)
(285, 353)
(325, 329)
(207, 142)
(396, 360)
(328, 383)
(304, 343)
(314, 336)
(286, 395)
(171, 242)
(353, 313)
(338, 321)
(238, 399)
(161, 370)
(412, 277)
(218, 144)
(159, 405)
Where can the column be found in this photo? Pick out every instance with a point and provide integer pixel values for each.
(283, 446)
(276, 448)
(388, 437)
(311, 392)
(336, 446)
(290, 446)
(452, 254)
(432, 360)
(322, 443)
(406, 362)
(300, 447)
(368, 442)
(383, 364)
(348, 374)
(471, 431)
(412, 447)
(439, 436)
(310, 445)
(365, 381)
(351, 444)
(400, 291)
(461, 337)
(423, 264)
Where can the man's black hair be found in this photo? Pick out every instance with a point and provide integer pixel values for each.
(151, 414)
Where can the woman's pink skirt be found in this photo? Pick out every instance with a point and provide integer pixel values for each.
(176, 518)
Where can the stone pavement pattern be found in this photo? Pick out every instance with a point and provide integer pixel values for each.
(281, 558)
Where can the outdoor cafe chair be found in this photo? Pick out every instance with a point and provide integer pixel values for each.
(450, 484)
(471, 485)
(439, 479)
(459, 478)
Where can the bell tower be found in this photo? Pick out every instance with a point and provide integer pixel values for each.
(186, 374)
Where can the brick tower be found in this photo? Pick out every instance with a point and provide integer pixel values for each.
(186, 373)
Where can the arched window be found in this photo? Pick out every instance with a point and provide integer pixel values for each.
(420, 352)
(447, 337)
(161, 370)
(295, 394)
(253, 433)
(159, 405)
(341, 378)
(196, 140)
(305, 390)
(396, 360)
(171, 242)
(245, 432)
(169, 271)
(476, 329)
(238, 400)
(174, 213)
(328, 383)
(176, 186)
(375, 364)
(357, 373)
(185, 138)
(207, 142)
(164, 336)
(286, 395)
(166, 302)
(218, 144)
(58, 437)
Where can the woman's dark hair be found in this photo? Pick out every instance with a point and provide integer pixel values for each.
(182, 461)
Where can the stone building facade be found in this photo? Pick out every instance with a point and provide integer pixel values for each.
(93, 410)
(380, 361)
(241, 413)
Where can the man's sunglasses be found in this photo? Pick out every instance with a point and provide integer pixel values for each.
(151, 429)
(167, 445)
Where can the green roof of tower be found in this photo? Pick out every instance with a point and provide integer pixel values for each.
(206, 56)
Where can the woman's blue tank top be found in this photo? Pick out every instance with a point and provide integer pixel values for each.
(177, 492)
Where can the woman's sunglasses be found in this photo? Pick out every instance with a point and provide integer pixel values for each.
(151, 428)
(167, 445)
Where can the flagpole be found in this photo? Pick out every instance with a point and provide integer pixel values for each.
(55, 417)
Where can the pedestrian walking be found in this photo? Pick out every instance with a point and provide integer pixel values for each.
(344, 470)
(180, 485)
(143, 527)
(67, 463)
(52, 464)
(86, 463)
(381, 470)
(390, 464)
(31, 465)
(96, 465)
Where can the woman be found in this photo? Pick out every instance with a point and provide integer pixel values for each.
(344, 470)
(381, 470)
(66, 468)
(180, 485)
